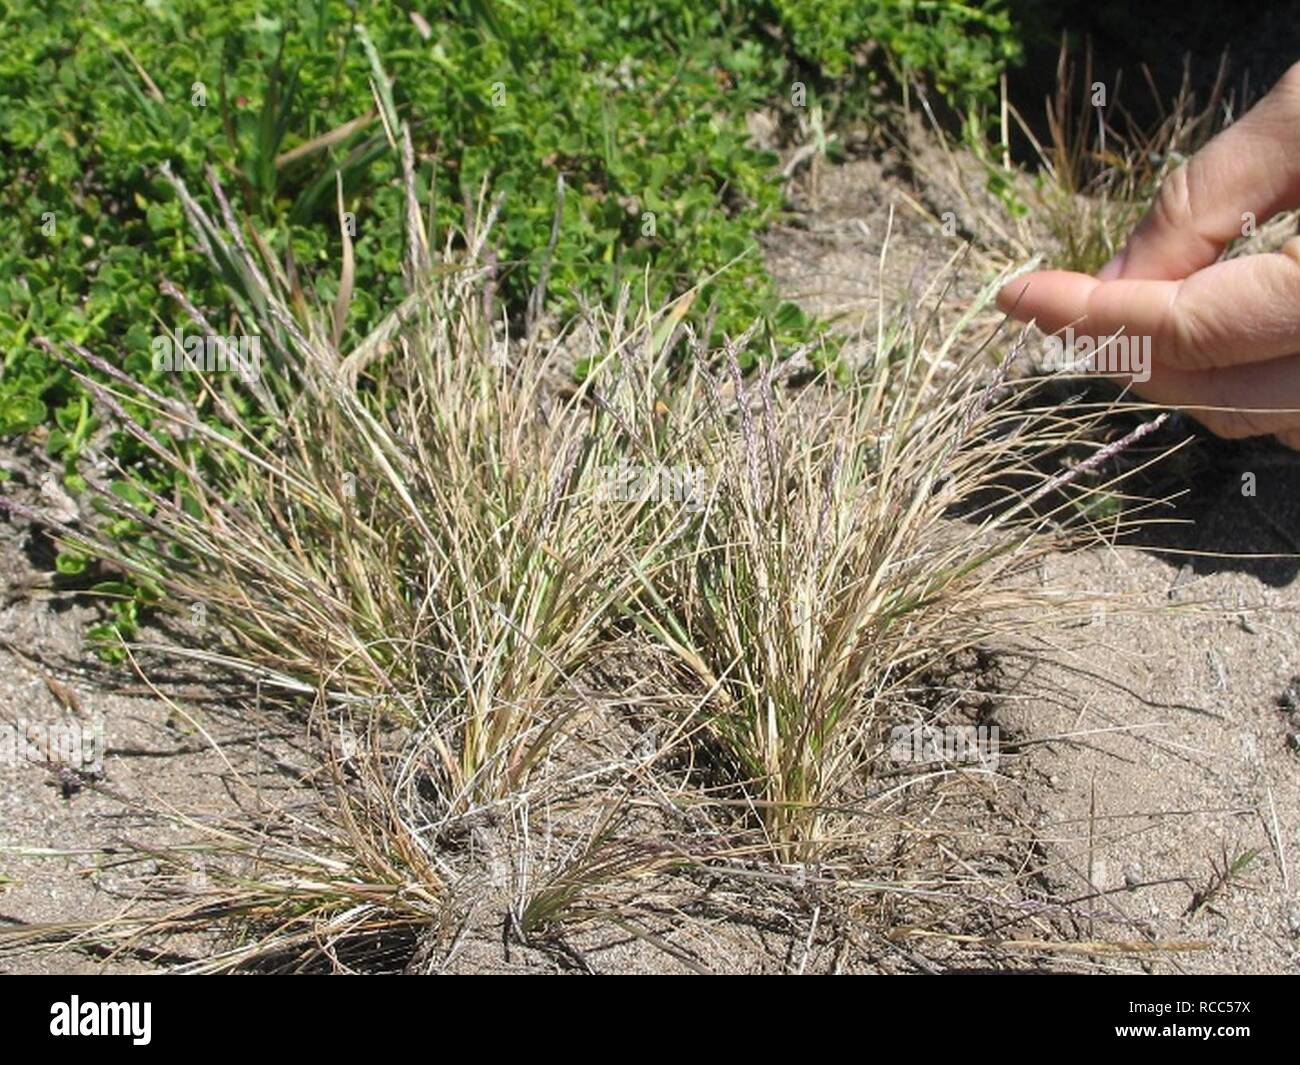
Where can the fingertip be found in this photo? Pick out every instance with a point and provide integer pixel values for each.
(1014, 296)
(1114, 269)
(1010, 293)
(1053, 298)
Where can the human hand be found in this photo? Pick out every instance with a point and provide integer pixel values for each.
(1223, 335)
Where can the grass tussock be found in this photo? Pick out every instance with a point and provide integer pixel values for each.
(433, 539)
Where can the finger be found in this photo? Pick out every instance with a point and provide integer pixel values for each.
(1252, 166)
(1241, 311)
(1236, 402)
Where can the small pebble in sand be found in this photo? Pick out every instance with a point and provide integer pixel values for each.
(1289, 700)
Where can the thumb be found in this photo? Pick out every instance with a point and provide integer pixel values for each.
(1249, 172)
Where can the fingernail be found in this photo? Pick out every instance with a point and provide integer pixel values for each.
(1114, 269)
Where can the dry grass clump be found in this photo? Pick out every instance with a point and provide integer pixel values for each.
(427, 539)
(826, 573)
(430, 546)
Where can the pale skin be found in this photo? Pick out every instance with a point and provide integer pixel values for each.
(1225, 335)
